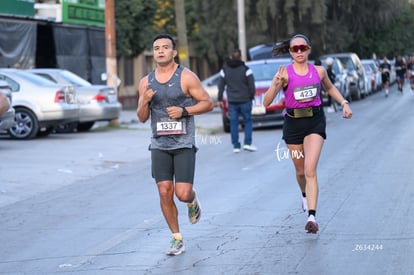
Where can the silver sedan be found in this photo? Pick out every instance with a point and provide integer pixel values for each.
(96, 102)
(40, 105)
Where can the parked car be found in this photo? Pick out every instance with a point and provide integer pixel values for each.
(210, 84)
(368, 79)
(96, 102)
(355, 70)
(342, 80)
(264, 51)
(40, 105)
(375, 73)
(261, 51)
(263, 72)
(7, 119)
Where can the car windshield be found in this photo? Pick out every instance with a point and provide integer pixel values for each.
(265, 71)
(74, 79)
(38, 80)
(367, 67)
(347, 62)
(212, 80)
(336, 67)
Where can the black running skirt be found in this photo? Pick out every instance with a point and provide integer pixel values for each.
(296, 129)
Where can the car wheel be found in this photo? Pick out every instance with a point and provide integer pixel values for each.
(357, 94)
(66, 128)
(84, 127)
(348, 93)
(26, 126)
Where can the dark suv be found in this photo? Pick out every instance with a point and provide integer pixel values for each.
(355, 71)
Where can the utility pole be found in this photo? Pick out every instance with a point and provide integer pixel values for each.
(110, 48)
(242, 28)
(182, 33)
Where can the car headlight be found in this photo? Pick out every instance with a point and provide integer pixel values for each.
(352, 78)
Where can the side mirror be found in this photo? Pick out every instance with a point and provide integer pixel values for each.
(104, 77)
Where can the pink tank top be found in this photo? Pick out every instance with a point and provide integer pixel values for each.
(303, 90)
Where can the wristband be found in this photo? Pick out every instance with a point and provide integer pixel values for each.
(184, 113)
(344, 102)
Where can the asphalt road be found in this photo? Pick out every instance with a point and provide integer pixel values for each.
(86, 203)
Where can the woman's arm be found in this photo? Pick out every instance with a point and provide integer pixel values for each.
(279, 81)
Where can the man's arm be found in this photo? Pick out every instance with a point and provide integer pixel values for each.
(250, 84)
(192, 86)
(145, 95)
(220, 86)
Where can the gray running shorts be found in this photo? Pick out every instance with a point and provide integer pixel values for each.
(178, 164)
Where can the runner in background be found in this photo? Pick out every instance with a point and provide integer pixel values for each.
(410, 74)
(400, 70)
(385, 69)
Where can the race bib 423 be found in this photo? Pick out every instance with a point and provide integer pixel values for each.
(306, 93)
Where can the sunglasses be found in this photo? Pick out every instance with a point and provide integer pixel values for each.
(297, 48)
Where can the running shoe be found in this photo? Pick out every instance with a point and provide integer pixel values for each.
(305, 204)
(250, 148)
(194, 210)
(311, 225)
(236, 150)
(176, 248)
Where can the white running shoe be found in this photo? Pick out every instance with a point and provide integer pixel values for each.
(249, 147)
(305, 204)
(176, 248)
(311, 225)
(236, 150)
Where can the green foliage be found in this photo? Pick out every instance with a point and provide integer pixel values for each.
(164, 19)
(392, 38)
(217, 32)
(362, 26)
(134, 21)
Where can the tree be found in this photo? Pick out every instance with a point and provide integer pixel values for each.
(333, 25)
(362, 26)
(216, 31)
(134, 26)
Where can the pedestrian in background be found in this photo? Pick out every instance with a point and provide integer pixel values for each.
(385, 69)
(4, 104)
(304, 128)
(238, 81)
(171, 95)
(332, 77)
